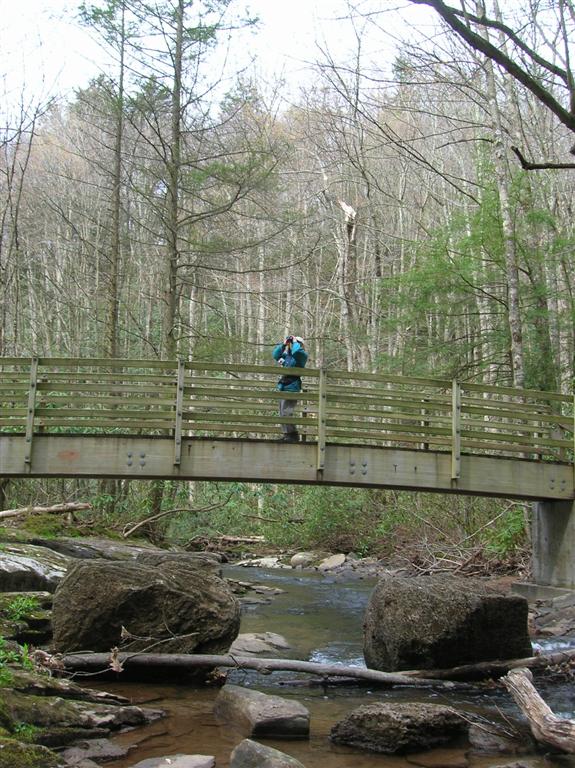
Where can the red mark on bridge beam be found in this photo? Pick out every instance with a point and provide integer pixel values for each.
(68, 455)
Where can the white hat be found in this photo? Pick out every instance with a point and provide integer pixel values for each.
(298, 339)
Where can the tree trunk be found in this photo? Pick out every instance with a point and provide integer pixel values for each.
(174, 163)
(115, 239)
(509, 247)
(4, 482)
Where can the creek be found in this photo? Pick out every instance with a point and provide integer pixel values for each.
(321, 618)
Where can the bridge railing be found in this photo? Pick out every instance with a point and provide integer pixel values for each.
(183, 398)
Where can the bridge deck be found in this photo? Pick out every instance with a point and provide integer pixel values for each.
(266, 461)
(191, 420)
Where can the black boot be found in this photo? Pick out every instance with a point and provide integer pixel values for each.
(290, 437)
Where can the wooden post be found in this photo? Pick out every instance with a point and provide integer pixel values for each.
(31, 412)
(179, 411)
(455, 431)
(321, 420)
(424, 446)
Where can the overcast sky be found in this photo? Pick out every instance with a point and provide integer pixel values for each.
(43, 50)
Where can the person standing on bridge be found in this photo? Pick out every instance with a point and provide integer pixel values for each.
(290, 354)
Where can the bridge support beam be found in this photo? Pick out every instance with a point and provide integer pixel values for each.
(553, 539)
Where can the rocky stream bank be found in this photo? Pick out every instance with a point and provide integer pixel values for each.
(98, 595)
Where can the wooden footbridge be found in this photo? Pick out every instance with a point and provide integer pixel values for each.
(143, 419)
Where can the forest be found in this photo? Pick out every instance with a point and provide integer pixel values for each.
(412, 216)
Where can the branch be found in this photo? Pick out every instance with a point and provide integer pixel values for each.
(129, 531)
(484, 21)
(476, 41)
(527, 166)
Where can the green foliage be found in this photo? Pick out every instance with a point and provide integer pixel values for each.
(7, 655)
(6, 677)
(220, 508)
(15, 754)
(25, 659)
(336, 519)
(19, 656)
(45, 525)
(508, 534)
(25, 732)
(20, 607)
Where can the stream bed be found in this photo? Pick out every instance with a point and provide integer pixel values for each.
(321, 618)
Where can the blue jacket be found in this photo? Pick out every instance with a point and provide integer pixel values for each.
(297, 358)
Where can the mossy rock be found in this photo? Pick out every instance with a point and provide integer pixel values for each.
(12, 534)
(62, 736)
(49, 526)
(6, 719)
(42, 711)
(14, 754)
(9, 629)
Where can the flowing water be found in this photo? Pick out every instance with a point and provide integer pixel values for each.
(321, 618)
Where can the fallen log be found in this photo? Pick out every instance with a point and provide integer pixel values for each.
(103, 662)
(485, 669)
(547, 727)
(70, 506)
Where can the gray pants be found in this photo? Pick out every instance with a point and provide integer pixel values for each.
(287, 408)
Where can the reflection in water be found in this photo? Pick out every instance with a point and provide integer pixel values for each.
(321, 618)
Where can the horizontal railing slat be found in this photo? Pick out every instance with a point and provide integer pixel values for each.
(85, 394)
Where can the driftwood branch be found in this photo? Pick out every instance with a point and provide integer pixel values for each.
(485, 669)
(547, 728)
(89, 662)
(70, 506)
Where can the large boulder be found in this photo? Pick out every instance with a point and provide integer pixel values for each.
(397, 728)
(434, 622)
(169, 606)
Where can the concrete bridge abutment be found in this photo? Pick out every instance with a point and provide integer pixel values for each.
(553, 542)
